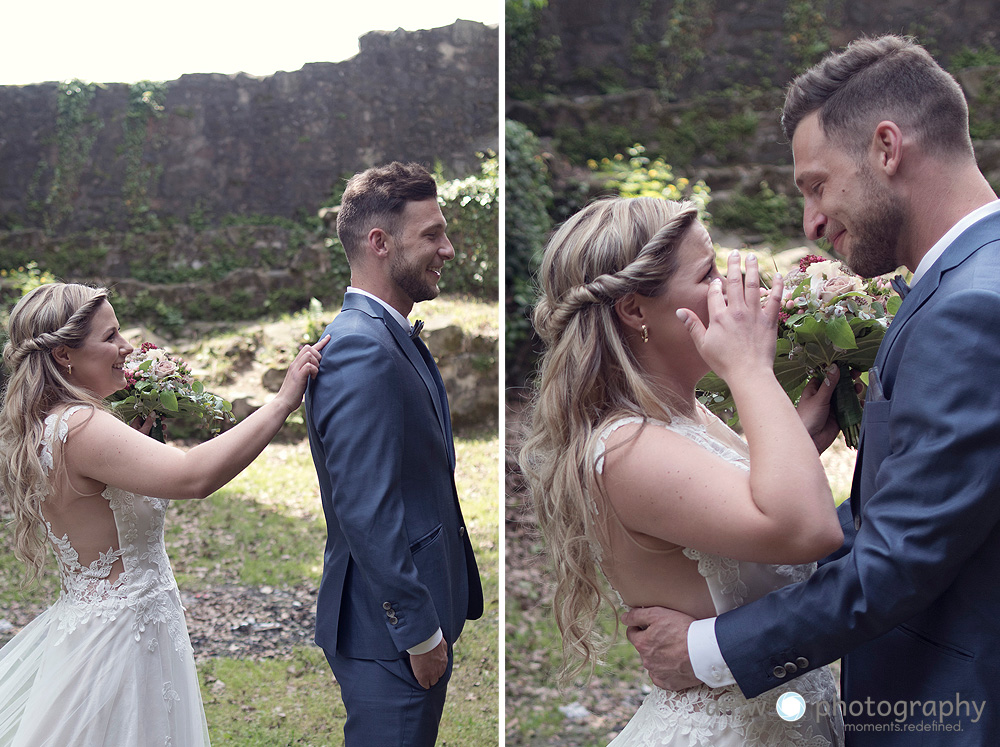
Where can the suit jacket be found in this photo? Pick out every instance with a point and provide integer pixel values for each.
(912, 595)
(398, 562)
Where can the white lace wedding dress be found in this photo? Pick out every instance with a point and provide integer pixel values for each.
(722, 717)
(110, 663)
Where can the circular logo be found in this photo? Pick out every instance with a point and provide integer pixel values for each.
(791, 706)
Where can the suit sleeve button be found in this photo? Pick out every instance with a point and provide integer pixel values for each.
(791, 668)
(803, 662)
(386, 606)
(779, 672)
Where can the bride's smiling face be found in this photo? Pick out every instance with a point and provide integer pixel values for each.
(98, 362)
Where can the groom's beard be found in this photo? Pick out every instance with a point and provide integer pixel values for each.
(877, 227)
(411, 278)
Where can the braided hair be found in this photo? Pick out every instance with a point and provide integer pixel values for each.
(588, 377)
(48, 317)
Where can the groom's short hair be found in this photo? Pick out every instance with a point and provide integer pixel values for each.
(376, 198)
(873, 80)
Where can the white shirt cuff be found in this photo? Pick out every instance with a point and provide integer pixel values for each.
(706, 658)
(429, 645)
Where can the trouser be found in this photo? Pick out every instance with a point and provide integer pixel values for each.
(385, 704)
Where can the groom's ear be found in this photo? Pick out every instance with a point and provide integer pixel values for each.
(629, 310)
(376, 243)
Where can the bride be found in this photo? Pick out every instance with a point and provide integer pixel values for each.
(634, 479)
(110, 662)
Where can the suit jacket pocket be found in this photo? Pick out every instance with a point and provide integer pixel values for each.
(876, 444)
(943, 648)
(428, 539)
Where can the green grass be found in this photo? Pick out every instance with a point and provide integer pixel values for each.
(266, 528)
(297, 702)
(534, 658)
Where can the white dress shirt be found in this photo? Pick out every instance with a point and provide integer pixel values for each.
(431, 643)
(703, 645)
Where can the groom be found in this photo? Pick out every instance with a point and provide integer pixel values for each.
(399, 575)
(883, 158)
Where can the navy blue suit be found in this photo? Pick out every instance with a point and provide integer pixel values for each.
(398, 562)
(911, 600)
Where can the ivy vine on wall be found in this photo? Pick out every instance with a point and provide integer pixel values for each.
(75, 134)
(145, 104)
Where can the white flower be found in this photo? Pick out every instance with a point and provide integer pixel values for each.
(823, 270)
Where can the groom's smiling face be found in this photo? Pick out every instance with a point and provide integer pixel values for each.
(846, 202)
(420, 249)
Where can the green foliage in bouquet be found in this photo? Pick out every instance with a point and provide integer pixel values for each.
(829, 316)
(159, 384)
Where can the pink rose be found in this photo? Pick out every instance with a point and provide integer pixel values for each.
(164, 368)
(837, 286)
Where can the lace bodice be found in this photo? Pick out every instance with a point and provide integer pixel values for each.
(703, 713)
(145, 586)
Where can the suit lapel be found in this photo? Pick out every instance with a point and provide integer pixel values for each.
(968, 242)
(376, 310)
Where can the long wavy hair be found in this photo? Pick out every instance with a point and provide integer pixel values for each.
(588, 376)
(44, 319)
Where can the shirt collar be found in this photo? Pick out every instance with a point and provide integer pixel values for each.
(945, 241)
(400, 319)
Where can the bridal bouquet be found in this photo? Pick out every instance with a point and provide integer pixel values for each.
(160, 383)
(829, 316)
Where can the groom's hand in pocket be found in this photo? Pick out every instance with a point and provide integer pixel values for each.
(429, 668)
(660, 637)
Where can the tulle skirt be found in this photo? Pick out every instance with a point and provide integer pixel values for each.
(108, 682)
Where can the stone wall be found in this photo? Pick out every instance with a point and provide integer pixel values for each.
(239, 144)
(674, 75)
(689, 47)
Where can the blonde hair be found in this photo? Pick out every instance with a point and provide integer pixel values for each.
(46, 318)
(588, 376)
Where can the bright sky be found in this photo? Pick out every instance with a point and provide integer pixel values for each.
(123, 41)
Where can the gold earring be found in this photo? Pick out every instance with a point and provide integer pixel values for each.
(69, 369)
(645, 333)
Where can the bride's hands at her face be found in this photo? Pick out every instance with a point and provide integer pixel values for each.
(742, 332)
(304, 367)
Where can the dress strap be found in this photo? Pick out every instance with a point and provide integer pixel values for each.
(56, 426)
(695, 432)
(600, 449)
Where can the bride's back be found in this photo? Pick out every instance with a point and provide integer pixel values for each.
(78, 512)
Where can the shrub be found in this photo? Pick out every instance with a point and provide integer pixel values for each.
(636, 175)
(472, 209)
(771, 214)
(527, 224)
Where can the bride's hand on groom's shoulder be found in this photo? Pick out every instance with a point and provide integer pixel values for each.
(304, 367)
(660, 637)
